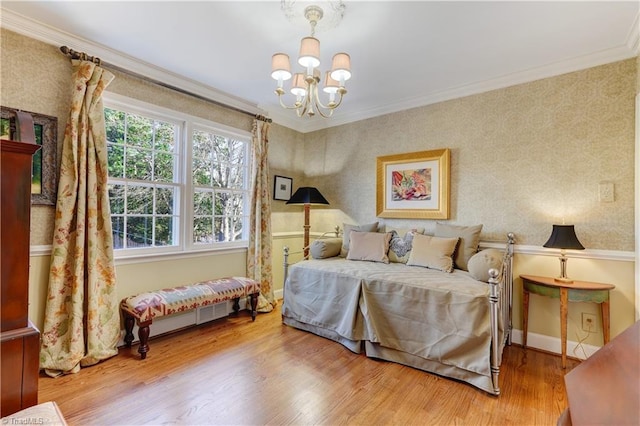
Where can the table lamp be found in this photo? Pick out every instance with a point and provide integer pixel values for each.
(307, 195)
(563, 237)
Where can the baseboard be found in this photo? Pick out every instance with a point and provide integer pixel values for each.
(553, 345)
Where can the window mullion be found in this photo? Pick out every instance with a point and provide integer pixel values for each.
(187, 168)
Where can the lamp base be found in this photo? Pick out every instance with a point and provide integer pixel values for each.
(563, 270)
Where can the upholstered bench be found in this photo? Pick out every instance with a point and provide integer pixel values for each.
(144, 307)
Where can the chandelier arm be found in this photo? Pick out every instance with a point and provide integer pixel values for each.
(302, 110)
(329, 107)
(319, 106)
(322, 113)
(299, 107)
(283, 105)
(342, 93)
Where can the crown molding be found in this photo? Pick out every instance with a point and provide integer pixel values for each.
(28, 27)
(629, 50)
(36, 30)
(633, 39)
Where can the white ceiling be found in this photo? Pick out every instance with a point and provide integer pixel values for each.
(403, 54)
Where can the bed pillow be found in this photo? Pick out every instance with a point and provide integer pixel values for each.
(468, 245)
(400, 244)
(346, 234)
(370, 246)
(403, 231)
(324, 248)
(481, 262)
(433, 252)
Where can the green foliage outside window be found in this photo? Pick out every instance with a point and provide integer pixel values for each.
(144, 183)
(141, 158)
(219, 173)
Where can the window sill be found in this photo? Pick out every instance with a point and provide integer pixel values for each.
(133, 258)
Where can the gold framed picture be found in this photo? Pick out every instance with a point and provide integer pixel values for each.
(413, 185)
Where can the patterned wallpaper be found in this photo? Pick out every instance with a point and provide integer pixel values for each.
(523, 158)
(37, 77)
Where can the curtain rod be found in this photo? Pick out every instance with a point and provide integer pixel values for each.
(83, 56)
(80, 55)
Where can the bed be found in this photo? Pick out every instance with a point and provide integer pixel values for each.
(450, 324)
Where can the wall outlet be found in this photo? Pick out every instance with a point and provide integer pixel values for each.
(589, 323)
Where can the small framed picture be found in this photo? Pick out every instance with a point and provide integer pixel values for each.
(282, 188)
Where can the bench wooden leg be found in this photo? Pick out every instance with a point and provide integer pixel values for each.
(129, 321)
(236, 305)
(143, 335)
(254, 306)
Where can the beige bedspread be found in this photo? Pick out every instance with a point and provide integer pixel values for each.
(424, 318)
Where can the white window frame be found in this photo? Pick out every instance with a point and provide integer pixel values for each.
(183, 176)
(225, 131)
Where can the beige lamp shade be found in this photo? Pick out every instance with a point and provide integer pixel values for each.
(309, 52)
(341, 67)
(299, 85)
(330, 85)
(280, 67)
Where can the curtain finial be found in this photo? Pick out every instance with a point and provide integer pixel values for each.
(263, 118)
(80, 55)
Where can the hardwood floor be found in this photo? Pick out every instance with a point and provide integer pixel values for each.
(235, 372)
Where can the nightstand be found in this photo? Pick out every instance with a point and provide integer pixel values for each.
(576, 291)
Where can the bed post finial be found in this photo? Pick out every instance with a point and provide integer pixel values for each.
(286, 264)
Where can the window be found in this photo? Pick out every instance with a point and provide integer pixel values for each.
(175, 183)
(220, 196)
(144, 193)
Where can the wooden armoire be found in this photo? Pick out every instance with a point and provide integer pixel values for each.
(20, 349)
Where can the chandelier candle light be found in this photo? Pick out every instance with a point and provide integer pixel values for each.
(305, 85)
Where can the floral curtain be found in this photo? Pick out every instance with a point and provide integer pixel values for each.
(82, 321)
(259, 254)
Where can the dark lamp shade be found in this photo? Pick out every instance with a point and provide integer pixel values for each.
(307, 195)
(563, 237)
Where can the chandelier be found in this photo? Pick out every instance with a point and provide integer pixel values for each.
(305, 85)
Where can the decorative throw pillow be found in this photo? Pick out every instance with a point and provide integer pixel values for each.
(328, 247)
(403, 231)
(469, 241)
(481, 262)
(346, 234)
(371, 246)
(433, 252)
(400, 246)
